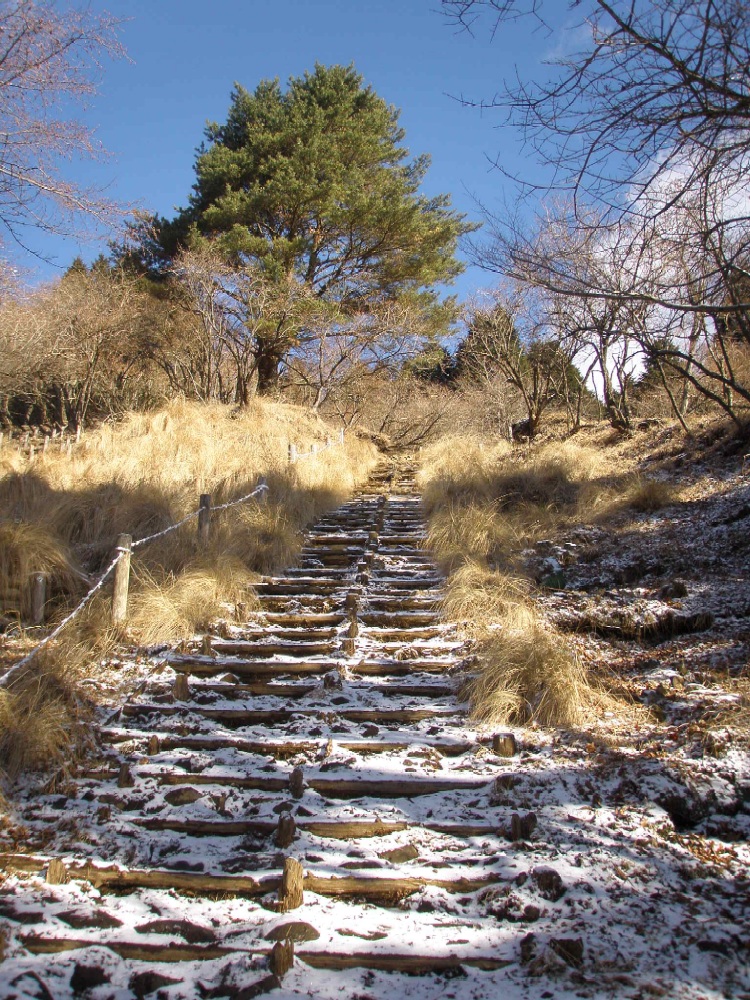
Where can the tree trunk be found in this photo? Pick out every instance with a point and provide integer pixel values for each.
(268, 363)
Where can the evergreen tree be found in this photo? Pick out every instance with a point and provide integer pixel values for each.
(311, 185)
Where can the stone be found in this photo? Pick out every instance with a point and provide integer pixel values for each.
(399, 855)
(293, 930)
(190, 932)
(182, 796)
(87, 977)
(145, 983)
(549, 883)
(570, 950)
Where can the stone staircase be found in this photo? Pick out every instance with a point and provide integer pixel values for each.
(295, 797)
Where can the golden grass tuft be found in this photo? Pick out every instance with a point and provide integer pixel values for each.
(26, 549)
(647, 495)
(482, 599)
(40, 716)
(528, 675)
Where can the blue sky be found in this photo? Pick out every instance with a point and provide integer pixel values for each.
(185, 56)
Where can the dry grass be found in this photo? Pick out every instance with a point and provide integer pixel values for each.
(481, 599)
(41, 716)
(61, 515)
(487, 504)
(528, 675)
(647, 495)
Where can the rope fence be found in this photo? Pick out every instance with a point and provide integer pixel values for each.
(124, 548)
(120, 566)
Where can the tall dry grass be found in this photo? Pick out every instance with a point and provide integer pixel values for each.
(61, 515)
(485, 505)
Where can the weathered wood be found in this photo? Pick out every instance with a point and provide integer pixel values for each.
(122, 580)
(38, 598)
(285, 831)
(297, 783)
(181, 688)
(125, 777)
(282, 958)
(407, 963)
(56, 872)
(504, 745)
(291, 895)
(292, 453)
(137, 951)
(204, 519)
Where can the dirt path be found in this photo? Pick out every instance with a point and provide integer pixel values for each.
(321, 747)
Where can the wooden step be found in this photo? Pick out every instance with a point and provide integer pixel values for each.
(236, 718)
(288, 748)
(206, 665)
(325, 829)
(113, 878)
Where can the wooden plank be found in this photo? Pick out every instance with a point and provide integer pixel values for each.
(237, 717)
(410, 964)
(206, 665)
(327, 829)
(136, 951)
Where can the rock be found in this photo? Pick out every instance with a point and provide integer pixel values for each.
(182, 796)
(370, 730)
(570, 950)
(281, 807)
(293, 930)
(190, 932)
(86, 977)
(399, 855)
(529, 948)
(30, 986)
(144, 983)
(99, 918)
(673, 590)
(549, 883)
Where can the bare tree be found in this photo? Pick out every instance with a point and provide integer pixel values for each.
(50, 60)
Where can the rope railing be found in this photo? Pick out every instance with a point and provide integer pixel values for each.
(297, 456)
(120, 566)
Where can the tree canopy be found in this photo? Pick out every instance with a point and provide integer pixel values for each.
(311, 185)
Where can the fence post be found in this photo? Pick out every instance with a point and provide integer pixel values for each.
(122, 579)
(341, 436)
(204, 518)
(38, 598)
(263, 495)
(292, 453)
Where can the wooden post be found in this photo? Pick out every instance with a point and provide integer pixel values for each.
(45, 446)
(341, 436)
(122, 580)
(204, 518)
(292, 453)
(282, 958)
(38, 598)
(286, 830)
(290, 891)
(78, 433)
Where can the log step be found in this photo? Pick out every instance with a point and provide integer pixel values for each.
(287, 748)
(236, 718)
(206, 665)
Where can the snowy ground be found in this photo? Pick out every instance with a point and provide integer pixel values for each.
(631, 880)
